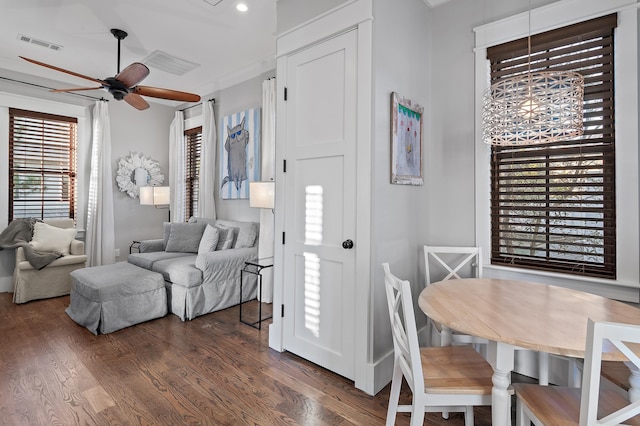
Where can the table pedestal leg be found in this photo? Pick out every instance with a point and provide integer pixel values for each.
(446, 338)
(501, 358)
(634, 382)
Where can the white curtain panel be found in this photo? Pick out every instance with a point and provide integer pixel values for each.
(265, 243)
(176, 168)
(206, 199)
(100, 237)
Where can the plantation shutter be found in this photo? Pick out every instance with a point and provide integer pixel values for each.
(42, 165)
(553, 205)
(192, 170)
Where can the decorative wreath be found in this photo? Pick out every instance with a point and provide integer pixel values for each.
(126, 171)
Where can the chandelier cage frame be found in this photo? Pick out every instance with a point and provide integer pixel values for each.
(534, 107)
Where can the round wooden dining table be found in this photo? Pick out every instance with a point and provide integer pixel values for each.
(529, 315)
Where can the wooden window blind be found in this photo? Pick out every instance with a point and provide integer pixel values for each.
(42, 165)
(193, 139)
(553, 206)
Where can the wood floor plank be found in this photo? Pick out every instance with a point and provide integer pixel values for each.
(212, 370)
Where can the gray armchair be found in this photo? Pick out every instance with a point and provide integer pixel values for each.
(53, 280)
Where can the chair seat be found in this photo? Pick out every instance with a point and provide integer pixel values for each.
(455, 370)
(560, 406)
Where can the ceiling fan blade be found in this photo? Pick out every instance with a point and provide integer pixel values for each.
(172, 95)
(133, 74)
(76, 89)
(33, 61)
(136, 101)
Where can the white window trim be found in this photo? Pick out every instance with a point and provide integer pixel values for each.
(556, 15)
(8, 100)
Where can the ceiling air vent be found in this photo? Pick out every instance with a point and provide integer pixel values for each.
(165, 62)
(40, 43)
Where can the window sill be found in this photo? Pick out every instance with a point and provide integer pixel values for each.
(613, 289)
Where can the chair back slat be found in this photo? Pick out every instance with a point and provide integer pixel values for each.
(449, 259)
(403, 327)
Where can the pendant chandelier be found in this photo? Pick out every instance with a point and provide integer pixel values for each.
(533, 107)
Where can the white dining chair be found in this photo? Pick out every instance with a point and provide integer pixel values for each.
(451, 378)
(446, 263)
(598, 402)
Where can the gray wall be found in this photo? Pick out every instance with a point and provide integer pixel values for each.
(230, 100)
(450, 161)
(144, 132)
(401, 59)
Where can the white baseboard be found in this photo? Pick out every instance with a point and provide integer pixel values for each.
(380, 372)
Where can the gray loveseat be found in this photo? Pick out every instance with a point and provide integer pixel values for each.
(201, 263)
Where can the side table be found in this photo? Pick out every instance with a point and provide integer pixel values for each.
(255, 269)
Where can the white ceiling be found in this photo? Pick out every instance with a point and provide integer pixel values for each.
(229, 46)
(434, 3)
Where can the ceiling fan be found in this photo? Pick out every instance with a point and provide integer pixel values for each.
(125, 83)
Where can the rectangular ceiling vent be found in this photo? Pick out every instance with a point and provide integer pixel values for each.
(165, 62)
(40, 43)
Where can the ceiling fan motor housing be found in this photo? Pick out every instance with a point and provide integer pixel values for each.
(116, 88)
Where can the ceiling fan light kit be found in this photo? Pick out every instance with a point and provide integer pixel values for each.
(124, 85)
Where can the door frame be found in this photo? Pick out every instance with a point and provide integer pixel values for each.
(357, 15)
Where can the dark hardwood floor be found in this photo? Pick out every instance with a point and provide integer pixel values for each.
(213, 370)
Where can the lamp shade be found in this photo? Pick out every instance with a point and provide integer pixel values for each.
(262, 194)
(155, 195)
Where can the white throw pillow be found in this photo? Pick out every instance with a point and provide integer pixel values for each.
(209, 240)
(52, 238)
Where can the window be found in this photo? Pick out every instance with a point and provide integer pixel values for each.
(42, 165)
(553, 206)
(193, 143)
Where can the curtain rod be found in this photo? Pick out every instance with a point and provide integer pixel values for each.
(193, 106)
(51, 88)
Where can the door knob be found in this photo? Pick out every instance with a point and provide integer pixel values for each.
(347, 244)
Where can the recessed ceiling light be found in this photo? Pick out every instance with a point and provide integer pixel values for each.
(242, 7)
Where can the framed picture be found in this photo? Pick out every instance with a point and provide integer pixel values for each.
(239, 153)
(406, 141)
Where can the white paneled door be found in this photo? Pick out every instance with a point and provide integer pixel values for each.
(320, 214)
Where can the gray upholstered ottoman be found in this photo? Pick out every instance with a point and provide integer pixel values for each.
(108, 298)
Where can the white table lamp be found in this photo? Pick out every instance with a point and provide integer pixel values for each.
(262, 194)
(155, 195)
